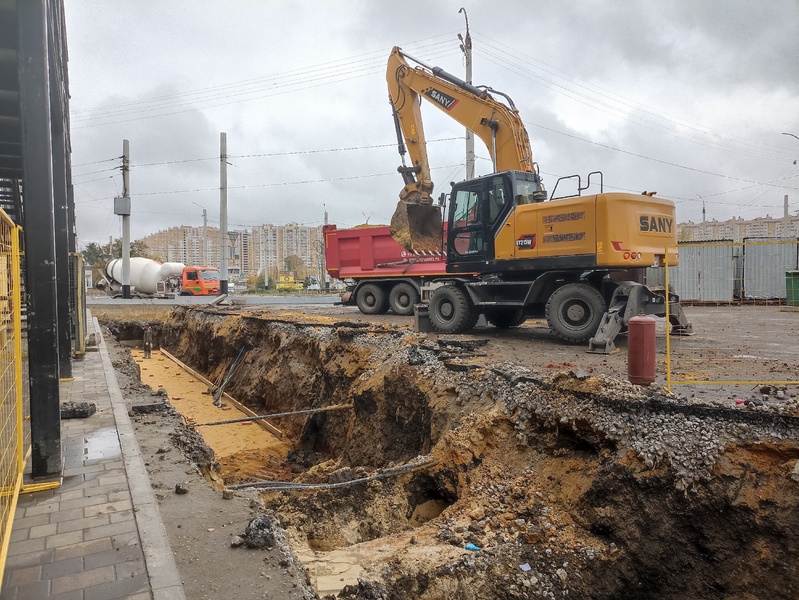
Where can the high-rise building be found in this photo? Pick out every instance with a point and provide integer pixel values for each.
(264, 248)
(272, 244)
(189, 245)
(737, 229)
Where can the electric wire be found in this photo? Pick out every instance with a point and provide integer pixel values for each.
(298, 84)
(375, 55)
(524, 64)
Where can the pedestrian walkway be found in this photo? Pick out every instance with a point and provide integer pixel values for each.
(99, 536)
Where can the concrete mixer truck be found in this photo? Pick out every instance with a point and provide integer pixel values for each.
(152, 279)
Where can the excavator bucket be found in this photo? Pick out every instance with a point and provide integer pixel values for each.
(417, 227)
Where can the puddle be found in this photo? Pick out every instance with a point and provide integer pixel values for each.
(101, 444)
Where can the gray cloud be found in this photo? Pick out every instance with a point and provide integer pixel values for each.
(677, 96)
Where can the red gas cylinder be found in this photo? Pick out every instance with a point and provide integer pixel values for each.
(641, 350)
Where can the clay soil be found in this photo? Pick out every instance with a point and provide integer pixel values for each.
(500, 464)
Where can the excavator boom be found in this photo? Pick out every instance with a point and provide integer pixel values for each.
(416, 223)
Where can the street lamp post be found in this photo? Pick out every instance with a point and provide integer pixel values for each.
(234, 236)
(205, 234)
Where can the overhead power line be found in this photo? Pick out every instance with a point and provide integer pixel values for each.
(618, 105)
(278, 184)
(657, 160)
(307, 78)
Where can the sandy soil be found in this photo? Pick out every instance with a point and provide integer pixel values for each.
(200, 523)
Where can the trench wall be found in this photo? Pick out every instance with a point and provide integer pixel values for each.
(635, 492)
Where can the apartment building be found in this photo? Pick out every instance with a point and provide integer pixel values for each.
(250, 252)
(737, 229)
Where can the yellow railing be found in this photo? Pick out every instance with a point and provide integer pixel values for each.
(12, 459)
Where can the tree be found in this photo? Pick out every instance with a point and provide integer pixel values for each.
(297, 266)
(271, 278)
(92, 254)
(137, 248)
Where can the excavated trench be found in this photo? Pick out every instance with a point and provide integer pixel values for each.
(571, 486)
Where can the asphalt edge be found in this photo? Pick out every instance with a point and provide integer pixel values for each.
(159, 559)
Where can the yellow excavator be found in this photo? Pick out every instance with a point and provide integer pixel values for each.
(511, 252)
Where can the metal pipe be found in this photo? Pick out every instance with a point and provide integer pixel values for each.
(308, 411)
(389, 472)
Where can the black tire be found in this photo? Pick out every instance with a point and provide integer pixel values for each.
(574, 312)
(402, 298)
(185, 294)
(505, 318)
(451, 311)
(371, 300)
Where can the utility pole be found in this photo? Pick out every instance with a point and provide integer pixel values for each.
(223, 239)
(466, 48)
(125, 220)
(324, 258)
(786, 218)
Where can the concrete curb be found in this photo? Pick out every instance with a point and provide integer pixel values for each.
(161, 568)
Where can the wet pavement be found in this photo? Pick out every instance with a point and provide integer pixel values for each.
(99, 535)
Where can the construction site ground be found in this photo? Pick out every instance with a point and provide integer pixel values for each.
(571, 482)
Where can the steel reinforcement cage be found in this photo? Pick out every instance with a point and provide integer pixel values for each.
(12, 432)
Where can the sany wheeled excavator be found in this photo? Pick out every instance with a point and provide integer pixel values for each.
(511, 253)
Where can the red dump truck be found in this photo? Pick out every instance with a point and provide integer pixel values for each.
(379, 273)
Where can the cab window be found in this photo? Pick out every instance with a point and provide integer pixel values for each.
(496, 199)
(466, 210)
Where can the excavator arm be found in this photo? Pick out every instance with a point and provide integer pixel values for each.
(416, 223)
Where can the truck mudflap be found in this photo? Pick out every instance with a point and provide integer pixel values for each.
(347, 299)
(629, 300)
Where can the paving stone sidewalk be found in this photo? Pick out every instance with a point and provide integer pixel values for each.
(99, 536)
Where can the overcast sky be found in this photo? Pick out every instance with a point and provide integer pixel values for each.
(684, 97)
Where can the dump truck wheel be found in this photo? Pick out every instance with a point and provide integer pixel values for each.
(402, 298)
(574, 312)
(371, 300)
(503, 319)
(451, 311)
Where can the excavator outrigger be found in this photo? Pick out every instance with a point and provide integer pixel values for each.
(510, 254)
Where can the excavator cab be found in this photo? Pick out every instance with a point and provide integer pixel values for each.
(479, 210)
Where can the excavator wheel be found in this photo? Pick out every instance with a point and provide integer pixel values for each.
(417, 227)
(451, 310)
(574, 312)
(371, 299)
(402, 297)
(505, 318)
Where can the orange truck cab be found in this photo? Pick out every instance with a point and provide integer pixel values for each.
(200, 281)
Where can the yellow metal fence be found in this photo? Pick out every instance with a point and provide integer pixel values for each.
(11, 387)
(743, 301)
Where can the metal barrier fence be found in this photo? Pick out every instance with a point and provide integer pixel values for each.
(77, 304)
(12, 433)
(743, 301)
